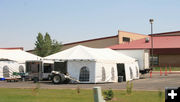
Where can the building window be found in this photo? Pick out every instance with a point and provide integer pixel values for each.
(137, 72)
(21, 69)
(84, 74)
(103, 74)
(112, 73)
(131, 73)
(126, 39)
(6, 71)
(155, 60)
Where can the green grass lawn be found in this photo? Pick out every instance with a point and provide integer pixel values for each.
(163, 68)
(69, 95)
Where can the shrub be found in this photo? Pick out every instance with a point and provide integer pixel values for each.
(78, 90)
(160, 95)
(35, 90)
(108, 94)
(129, 87)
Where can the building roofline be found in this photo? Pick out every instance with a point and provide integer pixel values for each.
(102, 38)
(131, 49)
(142, 48)
(91, 40)
(165, 33)
(13, 48)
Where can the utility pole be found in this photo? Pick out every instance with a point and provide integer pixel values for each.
(151, 22)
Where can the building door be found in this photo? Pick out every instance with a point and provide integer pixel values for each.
(121, 70)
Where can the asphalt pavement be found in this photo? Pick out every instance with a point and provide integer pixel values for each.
(157, 82)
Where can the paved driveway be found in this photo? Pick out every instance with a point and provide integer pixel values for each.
(155, 83)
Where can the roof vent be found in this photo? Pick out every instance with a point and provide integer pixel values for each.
(147, 40)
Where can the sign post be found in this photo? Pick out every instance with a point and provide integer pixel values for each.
(98, 95)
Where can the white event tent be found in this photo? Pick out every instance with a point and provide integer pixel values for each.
(96, 65)
(15, 60)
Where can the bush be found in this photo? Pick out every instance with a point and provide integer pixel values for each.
(78, 89)
(160, 94)
(35, 90)
(108, 94)
(129, 87)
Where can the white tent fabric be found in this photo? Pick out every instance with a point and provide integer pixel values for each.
(18, 55)
(11, 66)
(95, 54)
(101, 63)
(132, 71)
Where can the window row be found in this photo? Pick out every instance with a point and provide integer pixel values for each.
(7, 70)
(84, 74)
(131, 72)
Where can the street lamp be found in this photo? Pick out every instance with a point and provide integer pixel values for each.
(151, 22)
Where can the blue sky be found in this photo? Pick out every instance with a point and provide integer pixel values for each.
(76, 20)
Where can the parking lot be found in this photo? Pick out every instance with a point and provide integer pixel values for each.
(157, 82)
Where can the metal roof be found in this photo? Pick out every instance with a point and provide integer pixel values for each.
(13, 48)
(159, 42)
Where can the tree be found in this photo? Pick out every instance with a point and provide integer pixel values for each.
(56, 46)
(39, 45)
(46, 46)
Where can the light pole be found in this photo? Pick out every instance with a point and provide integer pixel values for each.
(151, 22)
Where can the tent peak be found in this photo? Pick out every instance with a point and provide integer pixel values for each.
(81, 52)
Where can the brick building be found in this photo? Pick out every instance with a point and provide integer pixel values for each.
(166, 47)
(103, 42)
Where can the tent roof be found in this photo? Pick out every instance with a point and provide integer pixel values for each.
(3, 59)
(86, 53)
(17, 55)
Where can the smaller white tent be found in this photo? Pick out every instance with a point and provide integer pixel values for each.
(16, 57)
(95, 65)
(7, 67)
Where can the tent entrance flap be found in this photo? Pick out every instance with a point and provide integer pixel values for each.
(61, 67)
(34, 69)
(121, 70)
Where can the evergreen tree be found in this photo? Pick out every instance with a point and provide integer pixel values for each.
(56, 47)
(46, 46)
(39, 45)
